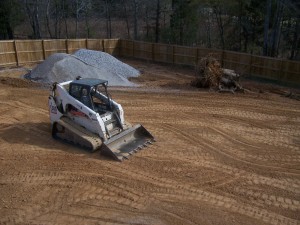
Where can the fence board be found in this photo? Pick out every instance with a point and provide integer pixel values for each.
(112, 46)
(240, 62)
(266, 67)
(202, 52)
(143, 50)
(164, 53)
(126, 48)
(54, 46)
(29, 51)
(185, 55)
(95, 44)
(75, 44)
(7, 53)
(290, 71)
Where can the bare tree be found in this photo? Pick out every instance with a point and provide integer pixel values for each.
(126, 18)
(218, 14)
(275, 35)
(32, 10)
(157, 21)
(48, 18)
(108, 6)
(135, 23)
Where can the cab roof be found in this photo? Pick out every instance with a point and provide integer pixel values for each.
(89, 82)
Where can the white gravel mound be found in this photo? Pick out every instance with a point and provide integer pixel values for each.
(62, 67)
(111, 64)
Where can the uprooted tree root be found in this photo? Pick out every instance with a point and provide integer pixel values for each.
(208, 73)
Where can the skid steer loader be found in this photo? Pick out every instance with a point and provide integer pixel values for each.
(83, 113)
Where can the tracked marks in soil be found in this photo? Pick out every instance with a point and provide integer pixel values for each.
(168, 189)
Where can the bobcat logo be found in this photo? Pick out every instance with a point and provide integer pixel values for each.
(53, 109)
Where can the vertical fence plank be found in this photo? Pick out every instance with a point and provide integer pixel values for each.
(173, 54)
(67, 46)
(133, 48)
(16, 53)
(43, 46)
(152, 52)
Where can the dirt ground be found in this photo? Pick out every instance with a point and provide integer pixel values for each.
(219, 158)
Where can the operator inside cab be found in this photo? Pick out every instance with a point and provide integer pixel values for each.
(85, 98)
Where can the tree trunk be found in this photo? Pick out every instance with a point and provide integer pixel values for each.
(157, 19)
(108, 18)
(48, 19)
(77, 17)
(135, 20)
(56, 21)
(266, 26)
(36, 19)
(147, 22)
(65, 19)
(240, 23)
(208, 30)
(218, 15)
(126, 19)
(295, 53)
(276, 29)
(87, 25)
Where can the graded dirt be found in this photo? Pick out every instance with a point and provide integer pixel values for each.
(218, 159)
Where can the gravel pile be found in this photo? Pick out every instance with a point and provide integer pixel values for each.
(62, 67)
(102, 59)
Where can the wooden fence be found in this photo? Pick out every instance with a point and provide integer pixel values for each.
(281, 70)
(19, 52)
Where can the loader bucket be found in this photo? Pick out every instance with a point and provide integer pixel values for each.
(127, 142)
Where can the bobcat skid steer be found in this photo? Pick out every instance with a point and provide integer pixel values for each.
(82, 113)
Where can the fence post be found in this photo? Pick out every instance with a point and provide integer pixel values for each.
(280, 71)
(86, 43)
(250, 69)
(197, 55)
(222, 58)
(132, 48)
(153, 52)
(43, 46)
(103, 48)
(173, 54)
(16, 53)
(67, 46)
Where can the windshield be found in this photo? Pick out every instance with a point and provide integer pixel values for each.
(101, 98)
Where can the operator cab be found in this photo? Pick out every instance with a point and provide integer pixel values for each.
(92, 93)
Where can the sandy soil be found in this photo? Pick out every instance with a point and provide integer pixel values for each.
(218, 159)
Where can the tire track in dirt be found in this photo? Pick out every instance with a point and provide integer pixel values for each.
(69, 179)
(272, 200)
(19, 104)
(226, 154)
(227, 203)
(81, 192)
(243, 154)
(289, 185)
(170, 189)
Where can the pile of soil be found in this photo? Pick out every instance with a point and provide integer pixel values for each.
(19, 83)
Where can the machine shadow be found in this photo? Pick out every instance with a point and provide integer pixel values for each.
(39, 135)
